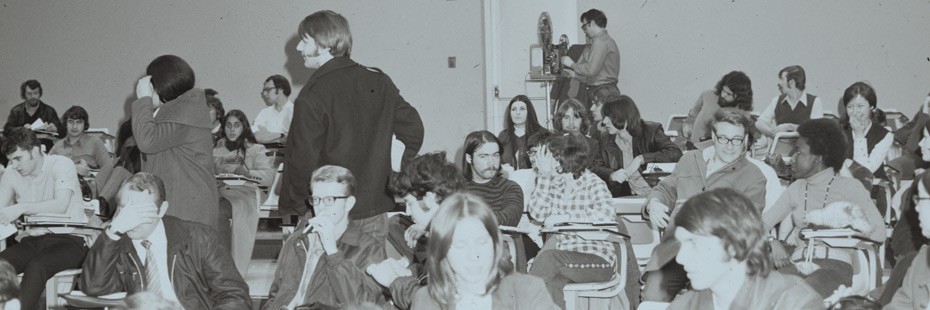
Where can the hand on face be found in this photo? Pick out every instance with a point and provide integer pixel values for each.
(323, 227)
(131, 216)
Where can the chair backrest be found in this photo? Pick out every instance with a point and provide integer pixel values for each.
(675, 123)
(783, 144)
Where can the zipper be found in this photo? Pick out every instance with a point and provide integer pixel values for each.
(139, 271)
(174, 261)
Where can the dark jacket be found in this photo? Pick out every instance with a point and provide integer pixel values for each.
(202, 272)
(338, 279)
(179, 150)
(19, 118)
(345, 116)
(652, 143)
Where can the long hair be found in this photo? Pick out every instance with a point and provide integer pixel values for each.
(624, 113)
(532, 123)
(453, 209)
(579, 111)
(571, 151)
(739, 83)
(473, 141)
(726, 214)
(246, 138)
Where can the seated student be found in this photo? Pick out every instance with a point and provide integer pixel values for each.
(724, 165)
(469, 265)
(323, 261)
(567, 191)
(792, 107)
(819, 157)
(733, 90)
(724, 250)
(481, 165)
(908, 227)
(237, 152)
(868, 143)
(9, 287)
(424, 183)
(601, 96)
(629, 144)
(909, 137)
(31, 110)
(273, 122)
(37, 183)
(216, 113)
(144, 250)
(111, 177)
(526, 178)
(86, 151)
(520, 123)
(913, 293)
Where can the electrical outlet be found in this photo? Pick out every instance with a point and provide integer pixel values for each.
(451, 61)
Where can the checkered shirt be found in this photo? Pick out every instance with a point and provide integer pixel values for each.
(585, 199)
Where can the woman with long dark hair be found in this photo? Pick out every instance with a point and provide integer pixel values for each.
(521, 123)
(238, 153)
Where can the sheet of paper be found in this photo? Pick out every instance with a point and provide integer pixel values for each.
(38, 124)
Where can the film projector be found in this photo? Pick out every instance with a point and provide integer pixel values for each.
(545, 57)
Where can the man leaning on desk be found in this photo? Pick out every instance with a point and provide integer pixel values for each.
(33, 184)
(33, 111)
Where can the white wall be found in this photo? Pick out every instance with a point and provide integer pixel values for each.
(673, 50)
(91, 53)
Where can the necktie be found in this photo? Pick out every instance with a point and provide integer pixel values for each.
(151, 270)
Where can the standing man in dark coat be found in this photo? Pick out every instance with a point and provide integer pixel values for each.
(345, 115)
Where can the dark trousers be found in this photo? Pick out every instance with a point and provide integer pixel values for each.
(40, 258)
(664, 284)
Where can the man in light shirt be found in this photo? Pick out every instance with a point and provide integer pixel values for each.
(144, 250)
(272, 123)
(33, 184)
(793, 106)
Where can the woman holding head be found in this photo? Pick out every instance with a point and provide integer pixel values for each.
(238, 153)
(868, 142)
(176, 141)
(468, 265)
(521, 123)
(629, 144)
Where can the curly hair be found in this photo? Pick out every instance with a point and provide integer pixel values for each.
(826, 139)
(571, 150)
(738, 83)
(427, 173)
(726, 214)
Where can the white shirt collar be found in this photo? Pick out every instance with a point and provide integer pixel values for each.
(802, 98)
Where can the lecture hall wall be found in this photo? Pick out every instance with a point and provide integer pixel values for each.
(91, 53)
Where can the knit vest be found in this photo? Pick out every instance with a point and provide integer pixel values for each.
(801, 112)
(873, 136)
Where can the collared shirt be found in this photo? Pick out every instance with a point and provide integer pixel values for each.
(273, 120)
(871, 160)
(90, 149)
(159, 247)
(55, 173)
(600, 62)
(769, 113)
(585, 199)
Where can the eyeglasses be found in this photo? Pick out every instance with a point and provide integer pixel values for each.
(917, 199)
(585, 25)
(734, 141)
(268, 89)
(323, 201)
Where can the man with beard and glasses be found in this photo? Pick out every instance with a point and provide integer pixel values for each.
(733, 90)
(273, 122)
(599, 65)
(793, 106)
(33, 109)
(481, 165)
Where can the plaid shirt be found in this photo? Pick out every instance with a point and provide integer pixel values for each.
(585, 199)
